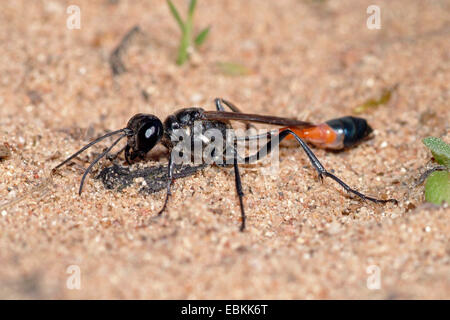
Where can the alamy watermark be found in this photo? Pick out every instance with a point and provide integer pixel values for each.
(74, 19)
(374, 20)
(374, 279)
(73, 281)
(224, 147)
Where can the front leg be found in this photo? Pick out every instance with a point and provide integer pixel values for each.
(113, 156)
(127, 154)
(169, 183)
(240, 192)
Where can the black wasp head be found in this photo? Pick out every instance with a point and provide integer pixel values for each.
(143, 132)
(146, 131)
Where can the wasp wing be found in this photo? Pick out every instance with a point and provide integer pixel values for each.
(258, 118)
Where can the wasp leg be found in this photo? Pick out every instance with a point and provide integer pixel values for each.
(127, 154)
(114, 156)
(169, 184)
(220, 107)
(240, 192)
(315, 163)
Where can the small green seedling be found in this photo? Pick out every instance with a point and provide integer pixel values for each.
(437, 187)
(374, 103)
(186, 27)
(233, 69)
(439, 149)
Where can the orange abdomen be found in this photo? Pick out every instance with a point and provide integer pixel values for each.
(322, 136)
(334, 134)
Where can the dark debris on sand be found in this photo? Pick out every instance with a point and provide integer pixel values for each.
(119, 178)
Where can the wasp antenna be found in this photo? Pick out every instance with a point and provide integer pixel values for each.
(89, 145)
(97, 159)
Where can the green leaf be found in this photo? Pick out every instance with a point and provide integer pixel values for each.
(233, 69)
(183, 53)
(176, 15)
(437, 187)
(439, 149)
(192, 5)
(187, 42)
(201, 37)
(374, 103)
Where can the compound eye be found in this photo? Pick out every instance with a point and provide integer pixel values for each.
(149, 134)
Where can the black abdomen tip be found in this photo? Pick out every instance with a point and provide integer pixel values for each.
(354, 129)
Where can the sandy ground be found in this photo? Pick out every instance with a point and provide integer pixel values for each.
(309, 59)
